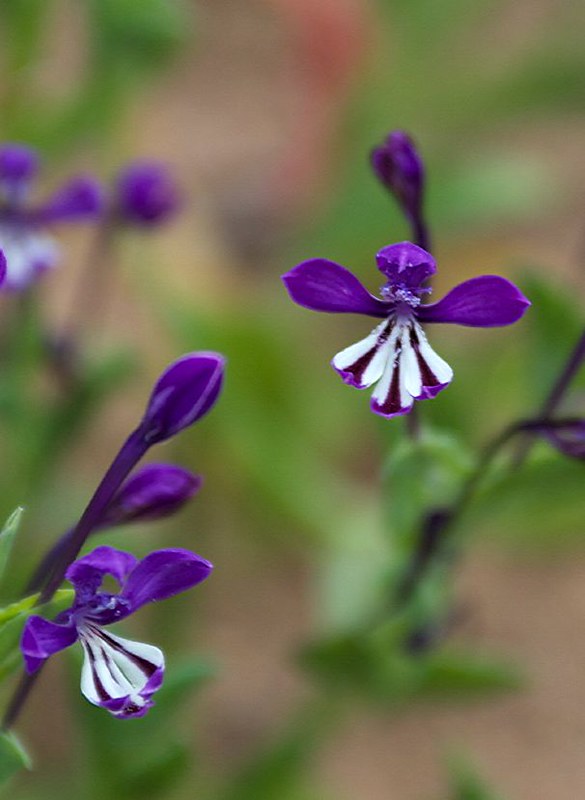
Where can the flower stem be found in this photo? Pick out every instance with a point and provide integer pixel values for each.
(437, 522)
(130, 453)
(556, 394)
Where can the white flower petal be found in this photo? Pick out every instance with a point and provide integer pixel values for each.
(115, 668)
(439, 368)
(27, 253)
(409, 367)
(365, 360)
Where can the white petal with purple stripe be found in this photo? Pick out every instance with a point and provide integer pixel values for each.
(27, 255)
(118, 669)
(398, 357)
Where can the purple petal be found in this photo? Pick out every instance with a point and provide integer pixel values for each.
(406, 264)
(484, 302)
(163, 574)
(323, 285)
(87, 573)
(80, 198)
(147, 193)
(184, 393)
(42, 638)
(155, 491)
(17, 163)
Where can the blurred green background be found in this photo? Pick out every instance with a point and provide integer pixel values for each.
(266, 111)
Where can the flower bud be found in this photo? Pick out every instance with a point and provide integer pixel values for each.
(400, 168)
(155, 491)
(567, 437)
(80, 198)
(185, 392)
(146, 194)
(3, 266)
(17, 163)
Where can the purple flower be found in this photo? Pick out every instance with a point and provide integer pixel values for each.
(29, 250)
(400, 169)
(155, 491)
(118, 674)
(146, 194)
(187, 389)
(396, 355)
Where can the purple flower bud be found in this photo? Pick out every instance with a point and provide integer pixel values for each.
(3, 267)
(81, 197)
(186, 390)
(568, 437)
(17, 162)
(400, 168)
(155, 491)
(146, 194)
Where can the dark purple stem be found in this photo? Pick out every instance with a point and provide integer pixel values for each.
(420, 233)
(556, 394)
(130, 453)
(47, 564)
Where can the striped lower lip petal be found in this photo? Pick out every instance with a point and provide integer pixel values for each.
(117, 673)
(397, 357)
(413, 372)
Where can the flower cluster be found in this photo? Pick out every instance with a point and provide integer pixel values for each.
(29, 250)
(144, 195)
(118, 674)
(396, 355)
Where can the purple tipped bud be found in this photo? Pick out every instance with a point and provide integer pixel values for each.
(3, 266)
(79, 198)
(17, 163)
(568, 437)
(400, 168)
(155, 491)
(186, 390)
(146, 194)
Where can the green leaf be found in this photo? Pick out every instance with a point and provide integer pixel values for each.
(466, 783)
(421, 474)
(460, 674)
(516, 506)
(379, 667)
(12, 619)
(13, 756)
(7, 535)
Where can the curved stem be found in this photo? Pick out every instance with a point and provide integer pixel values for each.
(556, 393)
(130, 453)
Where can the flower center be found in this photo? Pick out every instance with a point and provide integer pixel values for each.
(106, 608)
(402, 294)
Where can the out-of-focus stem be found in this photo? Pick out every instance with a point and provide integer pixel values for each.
(556, 394)
(130, 453)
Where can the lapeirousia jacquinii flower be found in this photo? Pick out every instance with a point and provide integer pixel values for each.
(396, 356)
(29, 250)
(118, 674)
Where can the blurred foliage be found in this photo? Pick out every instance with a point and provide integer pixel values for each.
(126, 43)
(294, 454)
(467, 784)
(145, 757)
